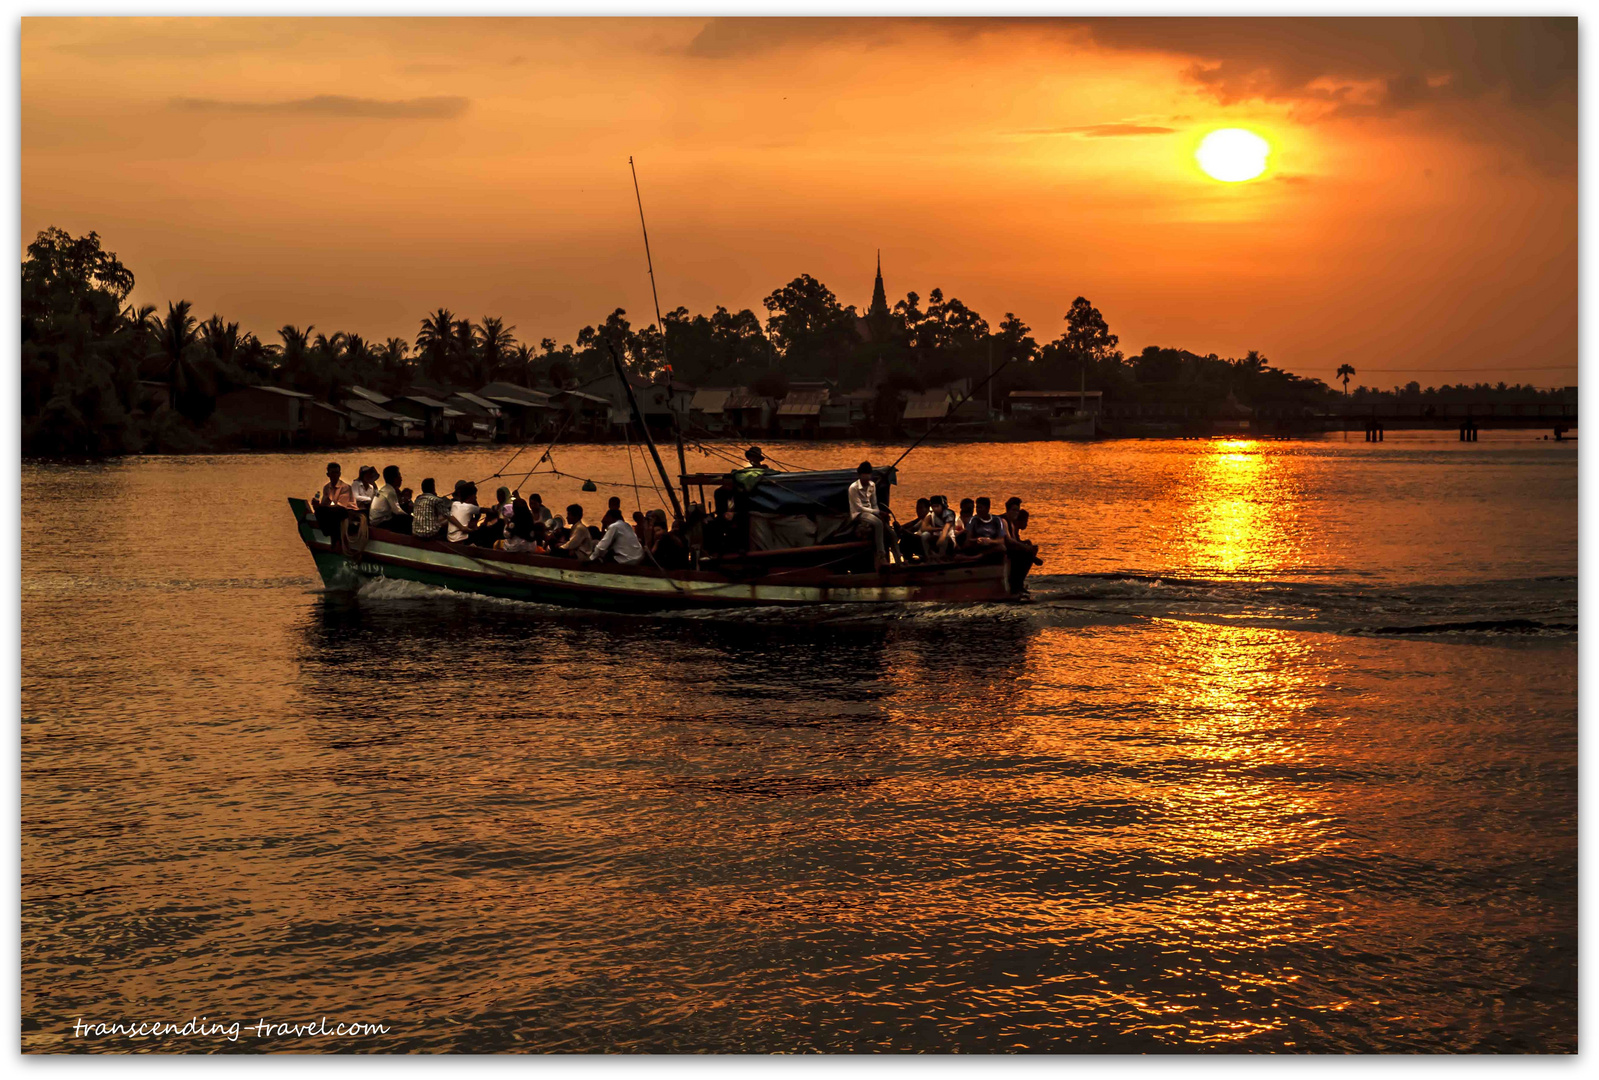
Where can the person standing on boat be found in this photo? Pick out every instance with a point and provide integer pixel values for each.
(620, 545)
(865, 514)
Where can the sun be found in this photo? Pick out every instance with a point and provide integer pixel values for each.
(1232, 155)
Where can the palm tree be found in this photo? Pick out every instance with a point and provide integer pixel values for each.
(141, 320)
(463, 355)
(175, 334)
(221, 337)
(1344, 371)
(394, 366)
(296, 353)
(522, 358)
(433, 343)
(191, 367)
(356, 350)
(255, 357)
(331, 347)
(495, 345)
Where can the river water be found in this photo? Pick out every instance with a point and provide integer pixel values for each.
(1282, 757)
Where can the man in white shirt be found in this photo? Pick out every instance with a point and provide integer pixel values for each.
(865, 515)
(619, 545)
(464, 513)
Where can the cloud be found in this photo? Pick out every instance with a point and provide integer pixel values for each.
(1510, 81)
(1104, 131)
(339, 106)
(731, 38)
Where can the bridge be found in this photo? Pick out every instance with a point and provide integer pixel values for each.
(1468, 417)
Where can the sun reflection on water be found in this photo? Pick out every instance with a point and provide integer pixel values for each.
(1237, 514)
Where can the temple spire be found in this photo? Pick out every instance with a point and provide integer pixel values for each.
(879, 294)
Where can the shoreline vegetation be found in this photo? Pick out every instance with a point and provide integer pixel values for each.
(102, 378)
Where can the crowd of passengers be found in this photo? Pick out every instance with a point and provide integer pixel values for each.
(512, 523)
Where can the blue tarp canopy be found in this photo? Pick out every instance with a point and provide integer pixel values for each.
(813, 492)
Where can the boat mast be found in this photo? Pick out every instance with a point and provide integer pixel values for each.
(660, 328)
(638, 417)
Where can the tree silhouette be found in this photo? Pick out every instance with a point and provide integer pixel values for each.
(495, 348)
(434, 344)
(1344, 372)
(394, 366)
(813, 334)
(296, 364)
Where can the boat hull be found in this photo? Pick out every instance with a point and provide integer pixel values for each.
(544, 580)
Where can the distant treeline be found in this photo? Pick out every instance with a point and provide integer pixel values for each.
(90, 361)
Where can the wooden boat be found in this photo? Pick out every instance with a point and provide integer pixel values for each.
(774, 572)
(823, 574)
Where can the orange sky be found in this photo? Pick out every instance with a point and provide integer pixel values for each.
(1420, 210)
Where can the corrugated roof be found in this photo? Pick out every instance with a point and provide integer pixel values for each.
(473, 399)
(334, 409)
(517, 403)
(802, 403)
(927, 405)
(280, 390)
(743, 399)
(711, 401)
(424, 401)
(507, 391)
(584, 396)
(370, 395)
(1041, 395)
(376, 412)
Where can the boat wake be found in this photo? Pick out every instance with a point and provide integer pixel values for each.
(1539, 607)
(1530, 608)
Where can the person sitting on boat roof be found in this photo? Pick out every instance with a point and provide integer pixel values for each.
(985, 531)
(579, 542)
(387, 510)
(865, 515)
(503, 502)
(964, 518)
(428, 513)
(620, 544)
(365, 488)
(747, 477)
(938, 529)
